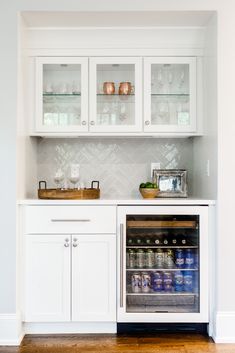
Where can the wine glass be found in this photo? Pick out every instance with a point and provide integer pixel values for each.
(74, 175)
(59, 178)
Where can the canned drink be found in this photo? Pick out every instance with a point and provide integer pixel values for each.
(146, 282)
(167, 282)
(149, 258)
(136, 282)
(157, 281)
(189, 258)
(179, 258)
(140, 258)
(130, 258)
(188, 281)
(169, 258)
(159, 258)
(179, 281)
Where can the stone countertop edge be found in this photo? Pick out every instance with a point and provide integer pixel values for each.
(116, 202)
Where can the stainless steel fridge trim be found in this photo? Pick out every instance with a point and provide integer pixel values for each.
(121, 265)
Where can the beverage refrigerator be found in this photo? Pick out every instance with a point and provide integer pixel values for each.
(163, 264)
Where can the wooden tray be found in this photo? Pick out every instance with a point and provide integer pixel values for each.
(68, 194)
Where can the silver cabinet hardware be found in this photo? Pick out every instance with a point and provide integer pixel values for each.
(121, 265)
(66, 245)
(92, 122)
(75, 239)
(84, 122)
(147, 122)
(67, 240)
(70, 220)
(75, 245)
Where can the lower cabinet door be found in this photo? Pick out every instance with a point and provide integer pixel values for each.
(47, 278)
(94, 278)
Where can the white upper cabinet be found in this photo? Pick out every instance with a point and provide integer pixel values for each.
(170, 94)
(135, 96)
(61, 94)
(115, 94)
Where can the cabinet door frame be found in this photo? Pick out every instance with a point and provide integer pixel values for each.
(192, 127)
(93, 62)
(203, 315)
(39, 126)
(63, 314)
(79, 314)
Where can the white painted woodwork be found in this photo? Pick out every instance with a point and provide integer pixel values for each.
(94, 278)
(39, 126)
(203, 315)
(167, 128)
(137, 115)
(72, 219)
(47, 278)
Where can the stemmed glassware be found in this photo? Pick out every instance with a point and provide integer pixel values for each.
(59, 178)
(74, 175)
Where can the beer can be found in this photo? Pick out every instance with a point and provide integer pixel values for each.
(178, 281)
(167, 282)
(169, 258)
(157, 281)
(188, 281)
(146, 282)
(189, 258)
(130, 263)
(159, 258)
(149, 258)
(179, 258)
(136, 282)
(140, 258)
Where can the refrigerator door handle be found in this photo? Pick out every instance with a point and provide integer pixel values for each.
(121, 265)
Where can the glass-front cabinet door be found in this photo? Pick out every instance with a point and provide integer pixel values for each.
(163, 264)
(115, 94)
(61, 94)
(170, 94)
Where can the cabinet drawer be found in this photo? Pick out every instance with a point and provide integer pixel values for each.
(70, 219)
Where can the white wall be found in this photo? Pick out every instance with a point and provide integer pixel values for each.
(226, 133)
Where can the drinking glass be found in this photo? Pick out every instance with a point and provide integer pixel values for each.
(59, 178)
(73, 176)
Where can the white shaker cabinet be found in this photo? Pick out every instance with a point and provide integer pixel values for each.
(93, 277)
(47, 278)
(70, 276)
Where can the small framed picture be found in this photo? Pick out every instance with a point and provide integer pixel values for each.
(171, 182)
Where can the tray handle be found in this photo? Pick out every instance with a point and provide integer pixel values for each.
(97, 184)
(42, 182)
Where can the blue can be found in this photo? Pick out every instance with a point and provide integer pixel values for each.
(179, 258)
(179, 281)
(167, 282)
(188, 281)
(189, 258)
(157, 281)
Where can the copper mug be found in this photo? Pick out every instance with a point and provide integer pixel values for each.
(125, 88)
(109, 88)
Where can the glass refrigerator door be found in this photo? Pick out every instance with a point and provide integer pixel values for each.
(162, 264)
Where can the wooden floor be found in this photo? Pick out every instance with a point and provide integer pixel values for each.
(159, 343)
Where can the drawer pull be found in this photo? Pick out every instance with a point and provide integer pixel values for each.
(70, 220)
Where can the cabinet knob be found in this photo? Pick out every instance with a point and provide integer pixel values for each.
(84, 122)
(75, 245)
(75, 239)
(92, 122)
(66, 245)
(147, 122)
(67, 240)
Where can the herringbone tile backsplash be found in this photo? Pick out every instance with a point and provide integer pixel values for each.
(119, 164)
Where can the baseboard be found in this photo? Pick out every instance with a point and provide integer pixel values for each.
(224, 327)
(11, 333)
(69, 327)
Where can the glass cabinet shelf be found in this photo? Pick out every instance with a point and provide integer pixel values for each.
(170, 94)
(162, 269)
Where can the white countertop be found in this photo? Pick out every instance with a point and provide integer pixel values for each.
(127, 201)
